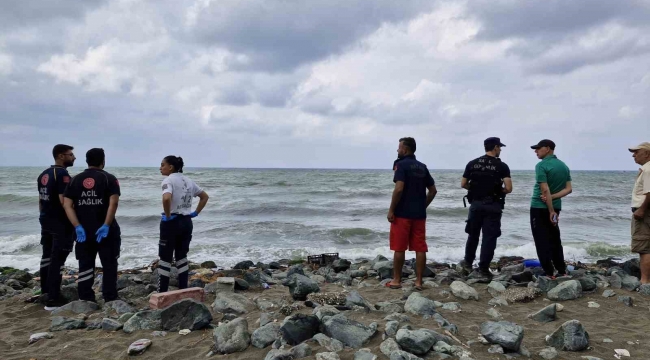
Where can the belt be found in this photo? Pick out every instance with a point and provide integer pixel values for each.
(634, 209)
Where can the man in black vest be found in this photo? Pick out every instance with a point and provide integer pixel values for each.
(488, 180)
(56, 230)
(90, 202)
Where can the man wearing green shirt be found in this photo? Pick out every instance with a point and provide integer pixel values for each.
(552, 183)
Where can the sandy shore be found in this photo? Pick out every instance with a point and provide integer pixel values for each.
(627, 327)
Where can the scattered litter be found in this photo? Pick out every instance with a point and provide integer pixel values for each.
(185, 331)
(621, 352)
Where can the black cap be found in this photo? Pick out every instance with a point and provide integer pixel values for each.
(545, 142)
(493, 141)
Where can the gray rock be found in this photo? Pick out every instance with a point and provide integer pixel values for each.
(134, 291)
(496, 349)
(587, 284)
(349, 332)
(301, 351)
(266, 318)
(69, 292)
(354, 298)
(569, 290)
(111, 325)
(257, 277)
(341, 265)
(389, 346)
(120, 307)
(60, 323)
(463, 291)
(390, 306)
(391, 328)
(223, 284)
(328, 343)
(499, 301)
(496, 288)
(265, 304)
(504, 333)
(124, 281)
(418, 342)
(125, 317)
(231, 303)
(397, 317)
(277, 354)
(615, 281)
(299, 327)
(417, 304)
(327, 356)
(629, 282)
(545, 283)
(644, 289)
(241, 284)
(77, 307)
(571, 336)
(609, 293)
(494, 314)
(40, 336)
(325, 310)
(143, 320)
(548, 353)
(300, 286)
(244, 265)
(94, 324)
(139, 346)
(295, 269)
(229, 317)
(358, 274)
(545, 315)
(384, 269)
(451, 306)
(231, 337)
(627, 300)
(159, 333)
(266, 335)
(185, 314)
(403, 355)
(208, 265)
(365, 354)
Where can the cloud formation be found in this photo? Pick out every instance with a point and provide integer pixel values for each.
(324, 84)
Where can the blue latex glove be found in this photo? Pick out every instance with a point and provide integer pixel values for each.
(164, 218)
(102, 233)
(194, 214)
(81, 233)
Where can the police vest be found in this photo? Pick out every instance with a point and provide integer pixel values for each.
(485, 180)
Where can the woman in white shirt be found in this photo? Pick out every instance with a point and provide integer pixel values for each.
(176, 223)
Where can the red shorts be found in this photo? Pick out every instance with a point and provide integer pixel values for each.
(408, 234)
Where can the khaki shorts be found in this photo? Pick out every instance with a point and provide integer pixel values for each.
(641, 235)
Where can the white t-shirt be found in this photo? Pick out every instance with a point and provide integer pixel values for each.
(183, 190)
(641, 186)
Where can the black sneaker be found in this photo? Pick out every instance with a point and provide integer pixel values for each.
(54, 304)
(481, 276)
(464, 268)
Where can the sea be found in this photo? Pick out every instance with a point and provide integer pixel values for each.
(270, 214)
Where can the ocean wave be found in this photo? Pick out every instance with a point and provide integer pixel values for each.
(18, 199)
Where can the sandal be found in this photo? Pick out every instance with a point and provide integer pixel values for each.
(391, 286)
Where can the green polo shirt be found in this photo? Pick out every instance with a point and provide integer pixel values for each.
(555, 173)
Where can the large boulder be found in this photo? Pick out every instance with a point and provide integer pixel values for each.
(418, 342)
(571, 336)
(569, 290)
(328, 343)
(222, 284)
(144, 320)
(354, 298)
(120, 307)
(631, 267)
(389, 346)
(300, 286)
(463, 291)
(231, 337)
(504, 333)
(351, 333)
(496, 288)
(185, 314)
(295, 269)
(299, 327)
(111, 325)
(266, 335)
(629, 282)
(545, 315)
(60, 323)
(587, 283)
(417, 304)
(325, 310)
(231, 303)
(77, 307)
(244, 265)
(341, 265)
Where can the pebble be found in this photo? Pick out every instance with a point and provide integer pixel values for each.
(494, 313)
(185, 331)
(139, 346)
(608, 340)
(159, 333)
(593, 304)
(38, 336)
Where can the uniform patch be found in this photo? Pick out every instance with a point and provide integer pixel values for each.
(66, 179)
(45, 179)
(89, 183)
(165, 187)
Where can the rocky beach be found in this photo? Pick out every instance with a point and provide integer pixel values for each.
(291, 309)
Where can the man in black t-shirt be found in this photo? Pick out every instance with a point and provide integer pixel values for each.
(413, 193)
(56, 230)
(91, 202)
(488, 180)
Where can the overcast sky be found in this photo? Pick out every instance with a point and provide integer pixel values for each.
(326, 84)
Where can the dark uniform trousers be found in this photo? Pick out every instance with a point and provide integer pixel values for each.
(175, 237)
(547, 241)
(483, 216)
(57, 243)
(109, 251)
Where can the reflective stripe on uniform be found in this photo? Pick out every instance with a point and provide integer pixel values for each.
(44, 260)
(45, 265)
(86, 278)
(183, 269)
(85, 272)
(164, 263)
(163, 272)
(181, 262)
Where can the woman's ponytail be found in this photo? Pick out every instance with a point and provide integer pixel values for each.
(176, 162)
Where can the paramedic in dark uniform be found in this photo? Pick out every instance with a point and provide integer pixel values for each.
(488, 180)
(91, 202)
(56, 230)
(176, 223)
